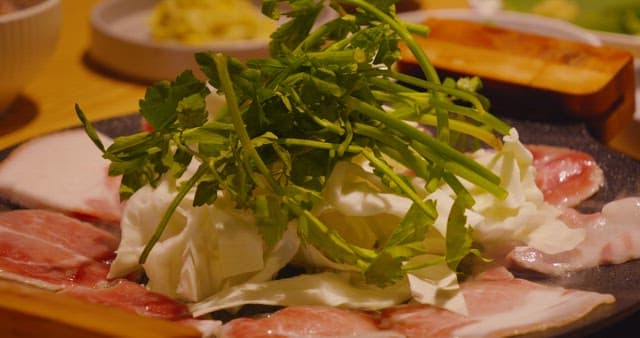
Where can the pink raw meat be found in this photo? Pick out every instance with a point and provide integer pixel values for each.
(64, 172)
(35, 261)
(612, 237)
(307, 321)
(79, 237)
(565, 176)
(499, 305)
(132, 297)
(135, 298)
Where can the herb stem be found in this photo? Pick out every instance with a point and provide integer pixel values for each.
(405, 35)
(170, 211)
(474, 171)
(319, 145)
(479, 114)
(404, 187)
(328, 236)
(238, 123)
(466, 128)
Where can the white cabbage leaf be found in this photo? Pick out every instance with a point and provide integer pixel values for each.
(339, 289)
(213, 256)
(202, 250)
(524, 217)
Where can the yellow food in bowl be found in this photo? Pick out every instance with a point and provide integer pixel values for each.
(559, 9)
(202, 21)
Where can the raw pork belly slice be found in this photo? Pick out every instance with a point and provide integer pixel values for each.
(80, 237)
(62, 171)
(307, 321)
(32, 260)
(565, 176)
(133, 297)
(612, 237)
(499, 305)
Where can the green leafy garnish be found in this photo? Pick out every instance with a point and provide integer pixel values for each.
(326, 94)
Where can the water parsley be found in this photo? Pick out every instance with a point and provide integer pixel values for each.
(326, 93)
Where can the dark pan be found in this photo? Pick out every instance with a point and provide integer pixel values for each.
(622, 175)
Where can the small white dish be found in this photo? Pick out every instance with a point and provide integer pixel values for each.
(522, 22)
(121, 41)
(28, 37)
(624, 41)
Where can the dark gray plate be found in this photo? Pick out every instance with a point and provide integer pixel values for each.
(622, 179)
(622, 175)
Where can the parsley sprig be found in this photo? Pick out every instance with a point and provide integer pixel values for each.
(326, 94)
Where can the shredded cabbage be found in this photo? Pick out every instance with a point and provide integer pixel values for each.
(524, 217)
(203, 250)
(213, 256)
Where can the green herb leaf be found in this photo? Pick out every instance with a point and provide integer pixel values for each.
(289, 35)
(384, 270)
(206, 193)
(89, 129)
(327, 93)
(458, 239)
(271, 217)
(192, 111)
(412, 228)
(160, 104)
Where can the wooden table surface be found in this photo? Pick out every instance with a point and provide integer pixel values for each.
(27, 312)
(70, 77)
(46, 104)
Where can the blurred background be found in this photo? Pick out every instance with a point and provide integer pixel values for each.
(106, 53)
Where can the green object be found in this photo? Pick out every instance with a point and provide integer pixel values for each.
(617, 16)
(324, 95)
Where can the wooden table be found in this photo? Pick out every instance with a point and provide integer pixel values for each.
(70, 77)
(47, 102)
(27, 312)
(46, 105)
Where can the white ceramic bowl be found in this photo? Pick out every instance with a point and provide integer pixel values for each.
(28, 37)
(121, 41)
(528, 23)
